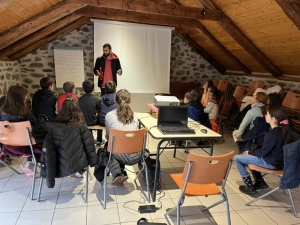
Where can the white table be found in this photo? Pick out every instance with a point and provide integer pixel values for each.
(148, 121)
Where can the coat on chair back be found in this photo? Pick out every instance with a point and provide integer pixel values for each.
(67, 149)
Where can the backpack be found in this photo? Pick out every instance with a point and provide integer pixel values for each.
(151, 164)
(103, 157)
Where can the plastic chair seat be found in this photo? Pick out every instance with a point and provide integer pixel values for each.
(196, 189)
(265, 170)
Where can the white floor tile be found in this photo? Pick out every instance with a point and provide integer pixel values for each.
(97, 215)
(255, 216)
(12, 203)
(9, 218)
(48, 201)
(68, 200)
(128, 212)
(36, 217)
(221, 218)
(205, 219)
(69, 216)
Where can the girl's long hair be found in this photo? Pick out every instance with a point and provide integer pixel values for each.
(15, 102)
(279, 113)
(70, 112)
(124, 112)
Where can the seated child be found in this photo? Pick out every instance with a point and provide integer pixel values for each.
(212, 107)
(69, 89)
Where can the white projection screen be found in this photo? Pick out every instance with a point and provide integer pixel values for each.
(144, 52)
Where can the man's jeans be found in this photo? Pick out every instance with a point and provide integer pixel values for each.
(242, 160)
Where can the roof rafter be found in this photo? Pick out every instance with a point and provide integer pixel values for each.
(203, 53)
(60, 33)
(243, 41)
(40, 34)
(292, 9)
(155, 8)
(37, 22)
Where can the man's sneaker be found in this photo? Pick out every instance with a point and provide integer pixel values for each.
(117, 181)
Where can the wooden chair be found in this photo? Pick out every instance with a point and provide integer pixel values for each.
(127, 142)
(253, 86)
(278, 173)
(238, 95)
(296, 125)
(18, 134)
(223, 85)
(216, 83)
(291, 103)
(223, 116)
(197, 181)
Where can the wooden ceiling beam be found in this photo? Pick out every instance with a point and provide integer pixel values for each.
(60, 33)
(121, 15)
(37, 22)
(292, 9)
(155, 8)
(40, 34)
(244, 42)
(217, 65)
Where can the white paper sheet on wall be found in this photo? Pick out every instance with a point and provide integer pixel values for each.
(69, 65)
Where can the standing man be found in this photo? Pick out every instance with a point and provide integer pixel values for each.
(107, 67)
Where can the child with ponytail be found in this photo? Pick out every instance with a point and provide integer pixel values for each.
(121, 118)
(270, 156)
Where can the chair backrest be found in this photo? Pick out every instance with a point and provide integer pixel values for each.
(253, 86)
(223, 85)
(207, 169)
(216, 83)
(296, 125)
(17, 133)
(226, 108)
(127, 141)
(292, 101)
(239, 93)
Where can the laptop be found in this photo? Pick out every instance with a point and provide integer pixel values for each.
(173, 120)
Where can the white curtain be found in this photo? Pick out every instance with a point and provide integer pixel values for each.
(144, 52)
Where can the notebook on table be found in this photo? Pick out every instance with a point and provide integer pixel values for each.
(173, 120)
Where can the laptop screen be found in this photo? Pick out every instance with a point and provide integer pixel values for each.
(172, 115)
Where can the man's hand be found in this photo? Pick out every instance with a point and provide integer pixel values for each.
(98, 72)
(119, 72)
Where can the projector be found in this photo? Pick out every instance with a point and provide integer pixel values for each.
(166, 101)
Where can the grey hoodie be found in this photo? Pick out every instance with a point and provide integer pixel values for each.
(254, 112)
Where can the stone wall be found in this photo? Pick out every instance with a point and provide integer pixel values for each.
(9, 75)
(40, 63)
(186, 66)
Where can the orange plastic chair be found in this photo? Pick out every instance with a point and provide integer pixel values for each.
(18, 134)
(197, 181)
(223, 85)
(238, 95)
(276, 173)
(291, 103)
(253, 86)
(127, 142)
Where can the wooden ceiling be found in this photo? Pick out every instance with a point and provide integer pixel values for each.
(245, 36)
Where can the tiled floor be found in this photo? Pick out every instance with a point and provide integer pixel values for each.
(64, 204)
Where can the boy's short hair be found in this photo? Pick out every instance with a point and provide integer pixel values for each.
(88, 86)
(68, 86)
(45, 82)
(110, 87)
(189, 96)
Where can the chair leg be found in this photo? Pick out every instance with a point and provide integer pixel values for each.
(180, 202)
(10, 167)
(33, 181)
(213, 205)
(224, 196)
(86, 184)
(40, 189)
(293, 204)
(260, 197)
(174, 154)
(105, 186)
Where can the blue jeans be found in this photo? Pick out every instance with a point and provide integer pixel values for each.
(242, 160)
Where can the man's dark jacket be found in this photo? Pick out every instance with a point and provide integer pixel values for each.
(115, 66)
(44, 103)
(67, 149)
